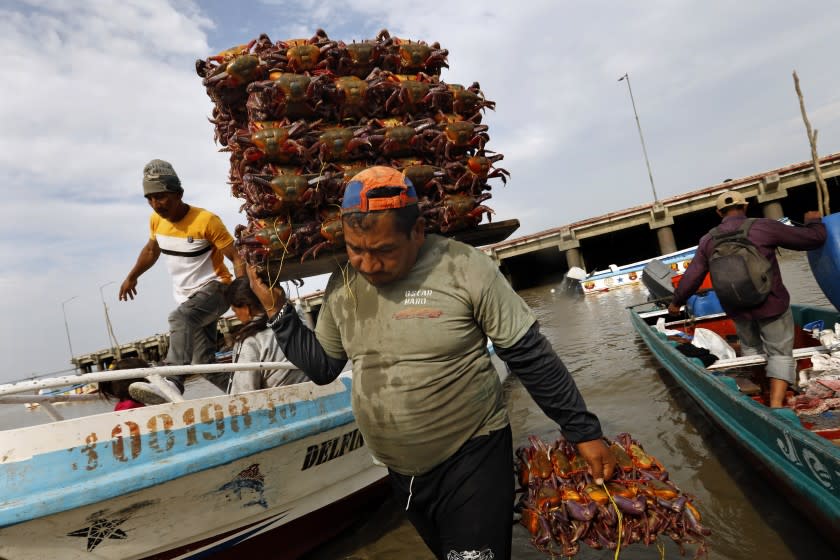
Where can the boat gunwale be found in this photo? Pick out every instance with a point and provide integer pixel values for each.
(784, 421)
(79, 489)
(640, 265)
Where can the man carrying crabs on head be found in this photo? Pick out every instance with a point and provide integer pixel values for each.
(413, 312)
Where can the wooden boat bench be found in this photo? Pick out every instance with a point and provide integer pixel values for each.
(744, 361)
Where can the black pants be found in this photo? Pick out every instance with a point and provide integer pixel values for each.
(463, 508)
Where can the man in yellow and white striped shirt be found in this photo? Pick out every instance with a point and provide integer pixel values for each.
(194, 242)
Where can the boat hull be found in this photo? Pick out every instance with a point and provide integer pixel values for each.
(805, 466)
(631, 274)
(181, 480)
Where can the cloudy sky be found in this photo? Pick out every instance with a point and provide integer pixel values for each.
(93, 90)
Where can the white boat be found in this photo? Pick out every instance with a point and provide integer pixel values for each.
(186, 479)
(616, 277)
(75, 389)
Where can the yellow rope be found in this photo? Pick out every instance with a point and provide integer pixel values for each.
(276, 280)
(620, 520)
(661, 548)
(345, 276)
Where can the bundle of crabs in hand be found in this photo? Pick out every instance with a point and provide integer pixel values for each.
(300, 117)
(561, 506)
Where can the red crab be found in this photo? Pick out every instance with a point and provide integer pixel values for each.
(217, 63)
(301, 58)
(420, 57)
(240, 71)
(289, 190)
(266, 239)
(340, 143)
(331, 231)
(472, 175)
(467, 103)
(458, 137)
(274, 144)
(284, 95)
(359, 59)
(308, 54)
(408, 94)
(349, 97)
(425, 178)
(456, 212)
(396, 139)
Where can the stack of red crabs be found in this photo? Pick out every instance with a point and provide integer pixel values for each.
(562, 507)
(301, 117)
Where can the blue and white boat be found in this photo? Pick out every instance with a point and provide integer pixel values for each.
(185, 479)
(630, 274)
(284, 467)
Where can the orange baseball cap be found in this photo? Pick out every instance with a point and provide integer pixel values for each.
(357, 192)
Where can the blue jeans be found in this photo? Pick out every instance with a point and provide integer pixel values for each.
(192, 328)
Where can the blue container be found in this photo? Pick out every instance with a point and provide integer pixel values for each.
(825, 261)
(706, 303)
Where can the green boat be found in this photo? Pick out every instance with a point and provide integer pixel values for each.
(799, 453)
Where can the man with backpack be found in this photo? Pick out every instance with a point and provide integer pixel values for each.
(740, 254)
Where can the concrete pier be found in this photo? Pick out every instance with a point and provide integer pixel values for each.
(667, 244)
(773, 210)
(574, 258)
(665, 226)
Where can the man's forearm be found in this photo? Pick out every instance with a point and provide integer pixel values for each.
(550, 384)
(302, 348)
(691, 281)
(145, 260)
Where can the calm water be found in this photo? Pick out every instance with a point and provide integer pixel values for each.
(623, 384)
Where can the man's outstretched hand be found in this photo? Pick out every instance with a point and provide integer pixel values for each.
(128, 289)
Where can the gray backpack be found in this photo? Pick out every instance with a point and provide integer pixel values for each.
(741, 276)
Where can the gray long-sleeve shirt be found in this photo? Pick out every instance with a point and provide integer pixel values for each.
(262, 347)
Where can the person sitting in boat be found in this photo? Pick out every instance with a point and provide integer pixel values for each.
(195, 243)
(255, 342)
(413, 312)
(117, 389)
(768, 327)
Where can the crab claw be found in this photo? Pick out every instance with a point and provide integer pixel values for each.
(630, 506)
(216, 78)
(581, 511)
(250, 178)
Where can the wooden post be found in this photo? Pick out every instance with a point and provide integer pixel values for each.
(822, 189)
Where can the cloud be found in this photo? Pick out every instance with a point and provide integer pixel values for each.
(99, 88)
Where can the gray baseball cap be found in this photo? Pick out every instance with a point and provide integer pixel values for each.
(159, 176)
